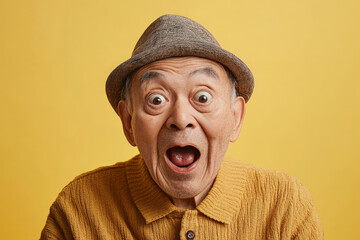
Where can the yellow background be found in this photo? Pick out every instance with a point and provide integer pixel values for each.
(56, 123)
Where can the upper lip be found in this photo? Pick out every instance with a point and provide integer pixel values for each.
(175, 144)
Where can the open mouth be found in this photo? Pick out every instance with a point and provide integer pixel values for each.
(183, 157)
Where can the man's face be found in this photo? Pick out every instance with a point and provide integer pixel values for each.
(182, 121)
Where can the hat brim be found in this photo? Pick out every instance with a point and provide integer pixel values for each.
(117, 78)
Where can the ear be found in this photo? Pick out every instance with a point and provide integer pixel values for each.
(126, 117)
(239, 113)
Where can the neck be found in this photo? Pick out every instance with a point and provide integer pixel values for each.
(191, 203)
(188, 203)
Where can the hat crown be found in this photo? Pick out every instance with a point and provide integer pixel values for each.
(176, 36)
(174, 29)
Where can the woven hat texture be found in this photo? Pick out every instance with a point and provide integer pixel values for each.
(177, 36)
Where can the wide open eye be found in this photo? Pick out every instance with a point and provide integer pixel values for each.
(156, 99)
(202, 97)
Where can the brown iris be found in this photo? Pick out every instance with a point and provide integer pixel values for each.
(157, 101)
(203, 99)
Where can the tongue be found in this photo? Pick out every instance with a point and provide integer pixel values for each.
(182, 156)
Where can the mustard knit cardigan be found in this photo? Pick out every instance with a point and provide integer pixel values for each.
(123, 202)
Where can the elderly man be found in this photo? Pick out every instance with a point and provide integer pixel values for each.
(181, 99)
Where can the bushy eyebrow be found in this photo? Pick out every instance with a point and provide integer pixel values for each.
(149, 75)
(206, 70)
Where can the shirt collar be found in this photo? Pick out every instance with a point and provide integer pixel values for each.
(221, 203)
(224, 199)
(151, 201)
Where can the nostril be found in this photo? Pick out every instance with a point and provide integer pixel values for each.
(174, 126)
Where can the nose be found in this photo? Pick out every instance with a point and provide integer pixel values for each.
(181, 116)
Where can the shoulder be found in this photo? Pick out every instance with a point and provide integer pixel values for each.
(270, 186)
(275, 178)
(100, 173)
(98, 177)
(88, 201)
(284, 199)
(107, 182)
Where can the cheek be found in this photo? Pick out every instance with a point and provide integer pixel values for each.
(219, 125)
(146, 128)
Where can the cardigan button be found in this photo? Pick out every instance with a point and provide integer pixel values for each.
(190, 235)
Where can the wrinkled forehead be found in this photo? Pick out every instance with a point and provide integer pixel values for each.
(187, 66)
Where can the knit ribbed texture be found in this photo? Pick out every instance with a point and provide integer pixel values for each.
(123, 202)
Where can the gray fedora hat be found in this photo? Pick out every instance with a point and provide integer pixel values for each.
(176, 36)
